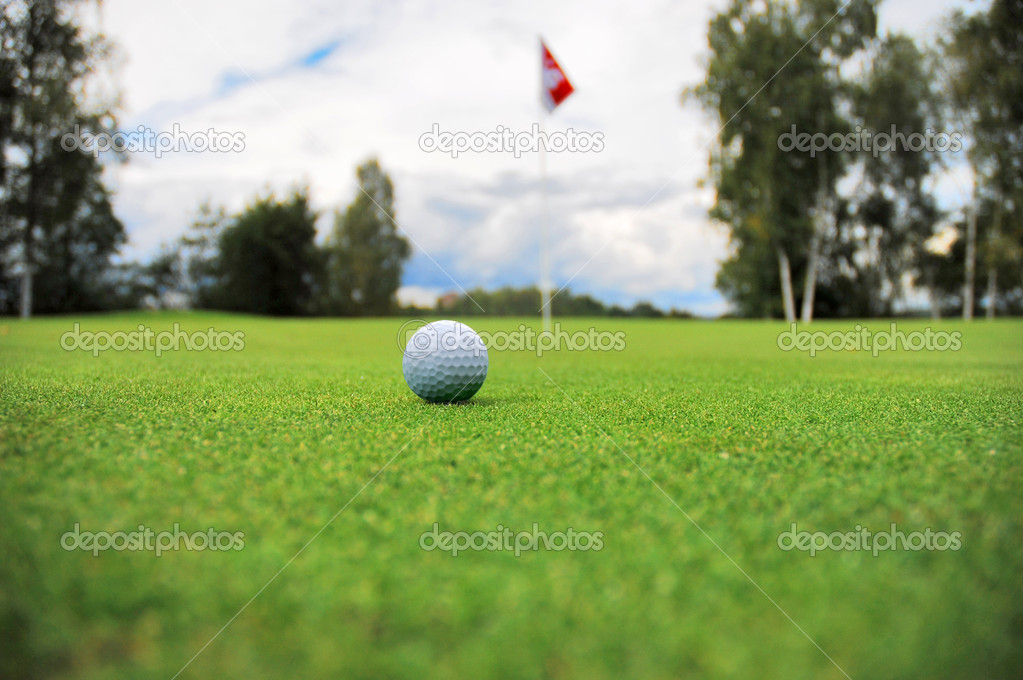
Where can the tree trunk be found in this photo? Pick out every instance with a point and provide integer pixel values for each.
(821, 218)
(27, 260)
(992, 265)
(935, 306)
(31, 205)
(785, 272)
(971, 256)
(932, 296)
(810, 286)
(992, 292)
(26, 293)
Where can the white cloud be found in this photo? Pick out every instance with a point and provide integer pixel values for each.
(418, 296)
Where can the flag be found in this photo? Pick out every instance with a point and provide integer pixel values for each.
(554, 87)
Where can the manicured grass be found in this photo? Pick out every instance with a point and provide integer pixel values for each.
(690, 451)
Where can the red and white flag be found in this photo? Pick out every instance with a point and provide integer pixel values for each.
(554, 87)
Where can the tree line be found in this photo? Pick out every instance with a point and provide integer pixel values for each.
(265, 259)
(847, 233)
(525, 301)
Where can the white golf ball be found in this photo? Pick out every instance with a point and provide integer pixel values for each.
(445, 361)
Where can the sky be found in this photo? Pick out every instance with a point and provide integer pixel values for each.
(315, 87)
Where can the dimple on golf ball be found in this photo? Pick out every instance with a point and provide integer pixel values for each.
(445, 361)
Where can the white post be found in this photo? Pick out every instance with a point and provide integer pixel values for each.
(545, 257)
(971, 254)
(26, 293)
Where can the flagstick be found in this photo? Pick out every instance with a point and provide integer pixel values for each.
(545, 258)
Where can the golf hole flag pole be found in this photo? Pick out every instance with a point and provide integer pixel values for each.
(554, 89)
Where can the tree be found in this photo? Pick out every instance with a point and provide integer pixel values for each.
(891, 215)
(56, 222)
(984, 59)
(945, 269)
(161, 278)
(268, 262)
(770, 199)
(365, 253)
(199, 254)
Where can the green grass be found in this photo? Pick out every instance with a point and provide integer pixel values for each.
(313, 419)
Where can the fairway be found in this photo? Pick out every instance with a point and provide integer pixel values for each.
(688, 453)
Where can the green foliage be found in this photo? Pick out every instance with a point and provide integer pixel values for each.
(890, 214)
(944, 272)
(983, 62)
(265, 259)
(365, 253)
(749, 280)
(773, 68)
(199, 250)
(268, 262)
(55, 212)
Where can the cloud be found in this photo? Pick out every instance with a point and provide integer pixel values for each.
(418, 296)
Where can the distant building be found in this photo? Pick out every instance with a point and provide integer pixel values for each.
(447, 300)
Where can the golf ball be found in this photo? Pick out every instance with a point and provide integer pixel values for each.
(445, 361)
